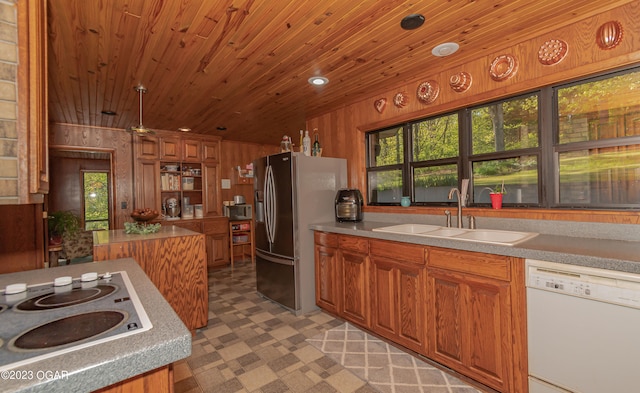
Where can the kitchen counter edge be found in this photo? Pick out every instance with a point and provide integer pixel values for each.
(102, 365)
(607, 254)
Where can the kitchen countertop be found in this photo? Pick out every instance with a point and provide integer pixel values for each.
(119, 236)
(619, 255)
(101, 365)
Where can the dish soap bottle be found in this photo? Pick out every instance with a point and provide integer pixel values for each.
(315, 151)
(306, 144)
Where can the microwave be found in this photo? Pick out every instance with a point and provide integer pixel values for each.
(238, 212)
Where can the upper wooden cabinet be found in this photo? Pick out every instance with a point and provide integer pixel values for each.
(191, 150)
(211, 151)
(170, 148)
(147, 147)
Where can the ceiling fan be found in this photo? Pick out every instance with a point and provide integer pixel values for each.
(140, 129)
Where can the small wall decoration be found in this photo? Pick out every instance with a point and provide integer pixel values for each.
(503, 67)
(609, 35)
(400, 99)
(380, 104)
(552, 52)
(428, 91)
(460, 82)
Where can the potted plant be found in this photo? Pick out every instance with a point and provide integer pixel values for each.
(62, 223)
(496, 195)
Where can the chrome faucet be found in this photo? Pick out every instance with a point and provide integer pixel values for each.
(460, 203)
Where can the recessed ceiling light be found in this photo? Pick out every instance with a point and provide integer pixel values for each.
(318, 80)
(412, 21)
(109, 113)
(221, 128)
(446, 49)
(184, 129)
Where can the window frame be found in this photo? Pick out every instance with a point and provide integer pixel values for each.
(547, 152)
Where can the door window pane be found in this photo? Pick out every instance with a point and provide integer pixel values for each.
(435, 138)
(432, 184)
(385, 186)
(506, 125)
(520, 176)
(96, 200)
(603, 109)
(386, 147)
(608, 176)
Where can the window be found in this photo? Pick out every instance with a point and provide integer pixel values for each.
(572, 145)
(598, 143)
(505, 150)
(96, 200)
(386, 158)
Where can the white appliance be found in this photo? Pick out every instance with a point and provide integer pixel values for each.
(583, 329)
(292, 191)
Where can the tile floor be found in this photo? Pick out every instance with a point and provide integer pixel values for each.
(254, 345)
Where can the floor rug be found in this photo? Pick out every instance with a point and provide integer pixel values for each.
(384, 366)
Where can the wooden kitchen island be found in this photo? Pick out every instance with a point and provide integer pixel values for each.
(175, 260)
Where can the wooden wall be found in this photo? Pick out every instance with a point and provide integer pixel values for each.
(21, 238)
(114, 141)
(119, 144)
(236, 153)
(342, 131)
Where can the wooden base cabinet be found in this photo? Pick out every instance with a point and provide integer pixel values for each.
(470, 321)
(397, 293)
(327, 274)
(465, 310)
(353, 265)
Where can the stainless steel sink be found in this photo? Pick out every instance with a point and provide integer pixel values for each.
(507, 238)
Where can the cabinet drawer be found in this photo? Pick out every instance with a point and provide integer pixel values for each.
(397, 251)
(213, 227)
(190, 225)
(326, 239)
(354, 243)
(485, 265)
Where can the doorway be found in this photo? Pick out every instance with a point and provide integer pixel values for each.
(81, 182)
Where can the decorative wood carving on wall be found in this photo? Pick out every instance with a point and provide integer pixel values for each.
(400, 99)
(609, 35)
(503, 67)
(380, 104)
(460, 82)
(428, 91)
(552, 52)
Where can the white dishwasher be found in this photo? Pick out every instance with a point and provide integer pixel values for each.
(583, 329)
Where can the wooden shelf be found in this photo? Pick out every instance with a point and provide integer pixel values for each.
(241, 228)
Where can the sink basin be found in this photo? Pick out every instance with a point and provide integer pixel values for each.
(413, 229)
(496, 236)
(446, 232)
(506, 238)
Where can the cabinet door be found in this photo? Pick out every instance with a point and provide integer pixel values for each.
(192, 150)
(170, 149)
(147, 184)
(211, 151)
(397, 304)
(211, 185)
(147, 147)
(470, 319)
(327, 287)
(217, 233)
(354, 282)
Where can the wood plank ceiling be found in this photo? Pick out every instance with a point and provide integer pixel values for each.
(244, 64)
